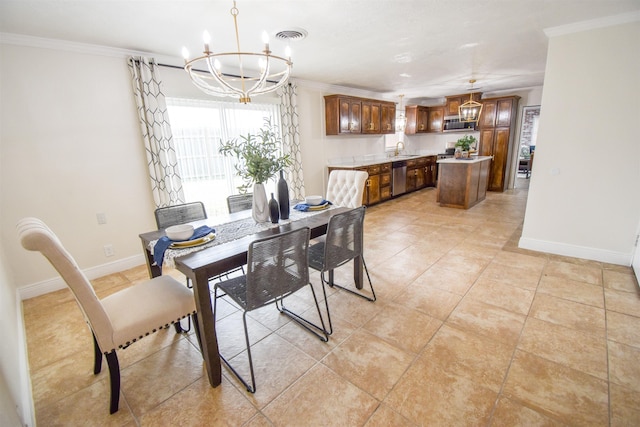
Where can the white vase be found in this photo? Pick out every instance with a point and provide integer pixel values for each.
(260, 208)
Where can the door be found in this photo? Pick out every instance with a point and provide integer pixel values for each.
(500, 156)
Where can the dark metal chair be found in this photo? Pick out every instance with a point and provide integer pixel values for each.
(276, 268)
(344, 242)
(239, 202)
(180, 214)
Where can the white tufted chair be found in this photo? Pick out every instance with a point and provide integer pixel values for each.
(121, 318)
(346, 187)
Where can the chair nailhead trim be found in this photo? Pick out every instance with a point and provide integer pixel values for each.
(128, 343)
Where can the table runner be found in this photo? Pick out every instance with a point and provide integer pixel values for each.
(230, 231)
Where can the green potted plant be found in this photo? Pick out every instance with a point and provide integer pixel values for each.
(465, 144)
(259, 157)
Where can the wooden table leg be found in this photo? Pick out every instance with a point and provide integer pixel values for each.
(153, 270)
(207, 326)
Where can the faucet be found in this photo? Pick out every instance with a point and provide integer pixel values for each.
(397, 147)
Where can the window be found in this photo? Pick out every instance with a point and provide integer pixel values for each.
(198, 127)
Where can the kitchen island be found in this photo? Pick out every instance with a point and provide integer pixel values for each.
(463, 183)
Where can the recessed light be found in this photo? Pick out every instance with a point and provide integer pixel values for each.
(405, 75)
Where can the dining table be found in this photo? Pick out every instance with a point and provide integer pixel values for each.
(226, 252)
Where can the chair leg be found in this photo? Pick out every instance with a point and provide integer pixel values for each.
(114, 377)
(321, 332)
(331, 283)
(250, 387)
(97, 356)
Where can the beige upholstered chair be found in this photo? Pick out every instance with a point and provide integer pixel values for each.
(121, 318)
(346, 187)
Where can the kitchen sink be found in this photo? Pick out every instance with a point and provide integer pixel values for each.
(404, 156)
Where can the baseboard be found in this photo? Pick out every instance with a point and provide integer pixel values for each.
(50, 285)
(583, 252)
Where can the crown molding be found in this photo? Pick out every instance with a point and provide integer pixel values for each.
(607, 21)
(83, 48)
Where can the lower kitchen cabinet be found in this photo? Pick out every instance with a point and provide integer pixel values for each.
(421, 172)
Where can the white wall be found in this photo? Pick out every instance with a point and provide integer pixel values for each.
(583, 197)
(15, 391)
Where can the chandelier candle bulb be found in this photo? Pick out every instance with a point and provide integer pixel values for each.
(207, 39)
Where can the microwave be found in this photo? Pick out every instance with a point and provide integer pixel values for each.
(453, 124)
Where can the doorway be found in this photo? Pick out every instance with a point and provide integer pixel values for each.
(526, 145)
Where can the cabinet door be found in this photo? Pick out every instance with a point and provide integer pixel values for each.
(503, 112)
(497, 175)
(420, 178)
(350, 115)
(451, 107)
(422, 119)
(411, 114)
(373, 189)
(486, 142)
(387, 118)
(370, 117)
(385, 186)
(488, 115)
(436, 119)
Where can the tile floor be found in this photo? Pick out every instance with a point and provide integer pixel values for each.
(468, 330)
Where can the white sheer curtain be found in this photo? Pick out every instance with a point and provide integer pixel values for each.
(198, 128)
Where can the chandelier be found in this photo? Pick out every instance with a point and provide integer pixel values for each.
(470, 110)
(274, 70)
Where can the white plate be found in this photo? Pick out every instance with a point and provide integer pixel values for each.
(195, 242)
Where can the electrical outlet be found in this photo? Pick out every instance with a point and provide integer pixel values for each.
(108, 250)
(102, 218)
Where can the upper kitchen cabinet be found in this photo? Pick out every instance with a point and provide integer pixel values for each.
(417, 119)
(435, 119)
(455, 101)
(387, 118)
(422, 119)
(497, 129)
(352, 115)
(370, 117)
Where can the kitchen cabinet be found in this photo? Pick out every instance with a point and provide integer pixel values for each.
(497, 129)
(370, 117)
(387, 118)
(421, 172)
(346, 115)
(385, 181)
(455, 101)
(435, 119)
(430, 171)
(417, 119)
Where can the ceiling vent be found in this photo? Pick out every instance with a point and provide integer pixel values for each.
(292, 34)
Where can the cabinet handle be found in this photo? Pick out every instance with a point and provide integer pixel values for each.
(368, 183)
(371, 126)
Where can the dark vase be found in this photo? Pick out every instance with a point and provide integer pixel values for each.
(283, 197)
(274, 210)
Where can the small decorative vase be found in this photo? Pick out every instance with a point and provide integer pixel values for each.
(457, 153)
(465, 154)
(260, 207)
(283, 196)
(274, 210)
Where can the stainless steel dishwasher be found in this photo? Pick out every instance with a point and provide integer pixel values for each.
(399, 178)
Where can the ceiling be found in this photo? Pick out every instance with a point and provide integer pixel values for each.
(424, 49)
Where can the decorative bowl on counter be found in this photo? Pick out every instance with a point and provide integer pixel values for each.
(179, 232)
(313, 200)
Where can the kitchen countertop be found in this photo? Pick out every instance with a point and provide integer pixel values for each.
(356, 162)
(474, 159)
